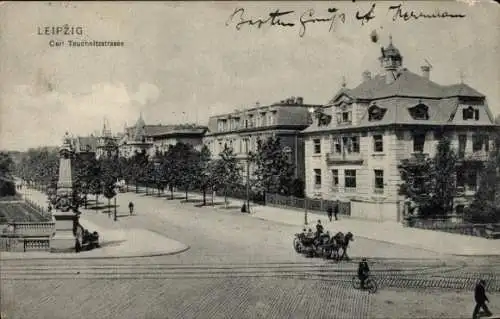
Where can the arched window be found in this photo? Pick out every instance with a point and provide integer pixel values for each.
(376, 113)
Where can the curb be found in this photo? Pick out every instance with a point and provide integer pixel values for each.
(138, 255)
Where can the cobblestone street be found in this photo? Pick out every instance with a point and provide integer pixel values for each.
(238, 267)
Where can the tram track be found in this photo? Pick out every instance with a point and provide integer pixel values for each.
(444, 277)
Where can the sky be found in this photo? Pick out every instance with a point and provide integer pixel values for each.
(182, 62)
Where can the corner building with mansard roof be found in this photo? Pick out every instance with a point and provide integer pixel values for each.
(354, 146)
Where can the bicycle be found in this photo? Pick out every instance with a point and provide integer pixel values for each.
(370, 284)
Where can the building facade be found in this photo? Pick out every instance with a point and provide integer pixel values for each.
(85, 144)
(241, 130)
(355, 144)
(107, 144)
(157, 138)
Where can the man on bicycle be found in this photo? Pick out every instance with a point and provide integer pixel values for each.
(363, 272)
(131, 207)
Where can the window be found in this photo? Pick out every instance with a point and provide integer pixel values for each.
(376, 113)
(350, 178)
(471, 180)
(418, 142)
(379, 181)
(272, 118)
(317, 146)
(236, 124)
(486, 141)
(335, 178)
(346, 117)
(470, 114)
(419, 112)
(317, 177)
(460, 177)
(220, 126)
(347, 144)
(477, 143)
(462, 144)
(337, 146)
(355, 144)
(378, 143)
(251, 121)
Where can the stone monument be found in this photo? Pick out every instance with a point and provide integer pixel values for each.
(65, 214)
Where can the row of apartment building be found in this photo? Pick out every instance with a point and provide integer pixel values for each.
(349, 148)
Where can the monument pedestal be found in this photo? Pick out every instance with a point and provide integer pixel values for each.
(64, 239)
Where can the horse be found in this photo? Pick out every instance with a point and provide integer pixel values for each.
(340, 241)
(345, 244)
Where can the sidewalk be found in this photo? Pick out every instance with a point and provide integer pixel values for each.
(391, 232)
(115, 242)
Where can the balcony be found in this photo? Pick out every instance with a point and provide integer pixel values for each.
(478, 156)
(344, 158)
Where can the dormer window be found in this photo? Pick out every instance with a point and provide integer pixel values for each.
(376, 113)
(323, 119)
(419, 112)
(470, 113)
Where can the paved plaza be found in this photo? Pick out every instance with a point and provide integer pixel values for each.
(237, 266)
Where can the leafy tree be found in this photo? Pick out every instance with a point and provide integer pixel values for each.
(297, 188)
(109, 175)
(38, 165)
(138, 165)
(274, 171)
(485, 207)
(86, 171)
(7, 186)
(205, 180)
(167, 169)
(187, 159)
(417, 175)
(226, 171)
(444, 168)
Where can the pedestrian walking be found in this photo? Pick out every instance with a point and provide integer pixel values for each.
(481, 299)
(336, 210)
(131, 208)
(329, 212)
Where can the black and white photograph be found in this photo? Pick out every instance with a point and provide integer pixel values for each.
(250, 159)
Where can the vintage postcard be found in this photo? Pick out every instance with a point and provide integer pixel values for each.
(333, 159)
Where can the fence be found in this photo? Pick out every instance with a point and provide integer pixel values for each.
(318, 205)
(454, 224)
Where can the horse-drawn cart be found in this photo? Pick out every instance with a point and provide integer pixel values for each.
(326, 246)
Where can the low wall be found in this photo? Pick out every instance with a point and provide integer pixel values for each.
(377, 211)
(33, 228)
(27, 236)
(24, 244)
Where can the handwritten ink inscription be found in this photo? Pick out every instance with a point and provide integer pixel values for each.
(308, 17)
(287, 19)
(401, 13)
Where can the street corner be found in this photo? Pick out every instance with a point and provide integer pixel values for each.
(115, 244)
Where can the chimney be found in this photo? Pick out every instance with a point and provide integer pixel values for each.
(425, 71)
(300, 100)
(367, 75)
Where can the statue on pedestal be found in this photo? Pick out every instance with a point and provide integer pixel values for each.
(65, 214)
